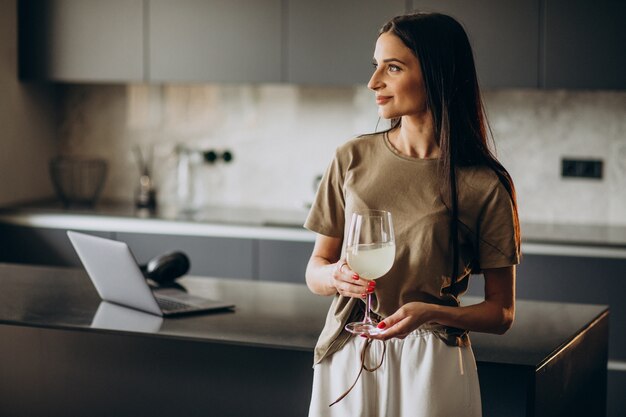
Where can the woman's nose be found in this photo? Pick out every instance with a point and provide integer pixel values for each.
(374, 83)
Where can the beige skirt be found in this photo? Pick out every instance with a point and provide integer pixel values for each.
(419, 376)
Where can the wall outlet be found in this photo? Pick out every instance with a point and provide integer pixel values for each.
(582, 168)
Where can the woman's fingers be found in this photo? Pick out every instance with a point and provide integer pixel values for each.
(348, 283)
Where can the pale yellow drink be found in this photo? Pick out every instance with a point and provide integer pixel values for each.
(371, 261)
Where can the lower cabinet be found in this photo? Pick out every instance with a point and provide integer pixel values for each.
(39, 246)
(267, 260)
(209, 256)
(579, 280)
(283, 261)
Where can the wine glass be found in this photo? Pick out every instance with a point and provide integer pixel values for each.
(370, 252)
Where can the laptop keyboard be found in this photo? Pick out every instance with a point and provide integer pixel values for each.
(169, 305)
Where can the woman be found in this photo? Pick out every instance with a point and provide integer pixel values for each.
(454, 212)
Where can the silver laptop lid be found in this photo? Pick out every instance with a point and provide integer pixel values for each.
(114, 272)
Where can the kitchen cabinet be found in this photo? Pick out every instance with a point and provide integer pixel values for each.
(209, 256)
(332, 42)
(579, 280)
(574, 280)
(226, 257)
(81, 40)
(216, 40)
(39, 246)
(283, 261)
(584, 44)
(504, 36)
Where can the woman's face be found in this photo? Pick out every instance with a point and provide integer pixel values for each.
(397, 79)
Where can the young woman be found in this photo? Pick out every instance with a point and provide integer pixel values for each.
(454, 213)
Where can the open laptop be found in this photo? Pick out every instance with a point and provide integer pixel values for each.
(118, 279)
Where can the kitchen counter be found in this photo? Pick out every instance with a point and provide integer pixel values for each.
(284, 224)
(60, 341)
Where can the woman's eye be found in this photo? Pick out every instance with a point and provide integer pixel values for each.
(394, 68)
(375, 65)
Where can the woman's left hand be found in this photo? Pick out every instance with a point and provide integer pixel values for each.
(408, 318)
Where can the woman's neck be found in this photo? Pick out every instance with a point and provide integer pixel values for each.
(415, 137)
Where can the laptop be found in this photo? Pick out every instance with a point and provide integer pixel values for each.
(118, 279)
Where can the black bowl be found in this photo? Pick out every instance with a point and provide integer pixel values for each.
(78, 181)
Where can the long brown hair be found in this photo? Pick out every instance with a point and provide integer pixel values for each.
(447, 62)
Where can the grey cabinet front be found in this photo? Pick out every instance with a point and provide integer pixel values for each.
(584, 44)
(81, 40)
(283, 261)
(503, 34)
(215, 40)
(209, 256)
(332, 42)
(574, 279)
(39, 245)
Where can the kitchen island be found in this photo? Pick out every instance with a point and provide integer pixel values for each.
(64, 353)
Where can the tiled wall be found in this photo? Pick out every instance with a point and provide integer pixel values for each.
(282, 136)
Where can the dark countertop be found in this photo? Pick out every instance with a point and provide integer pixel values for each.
(601, 236)
(271, 315)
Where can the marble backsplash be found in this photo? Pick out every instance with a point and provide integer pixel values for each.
(283, 136)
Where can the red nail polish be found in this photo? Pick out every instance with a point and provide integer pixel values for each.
(364, 295)
(371, 284)
(370, 290)
(355, 276)
(382, 325)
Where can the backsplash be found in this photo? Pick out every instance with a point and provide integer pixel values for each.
(283, 136)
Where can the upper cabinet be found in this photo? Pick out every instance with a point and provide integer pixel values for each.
(215, 40)
(504, 36)
(517, 43)
(584, 44)
(332, 42)
(81, 40)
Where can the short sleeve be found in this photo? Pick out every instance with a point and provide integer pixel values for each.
(327, 214)
(497, 243)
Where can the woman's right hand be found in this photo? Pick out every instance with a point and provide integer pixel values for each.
(348, 283)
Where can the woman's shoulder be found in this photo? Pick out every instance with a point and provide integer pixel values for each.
(360, 144)
(480, 178)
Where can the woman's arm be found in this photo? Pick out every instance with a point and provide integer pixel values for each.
(326, 274)
(494, 315)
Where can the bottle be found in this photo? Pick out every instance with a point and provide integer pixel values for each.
(145, 194)
(188, 162)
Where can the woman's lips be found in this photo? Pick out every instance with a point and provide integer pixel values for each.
(382, 99)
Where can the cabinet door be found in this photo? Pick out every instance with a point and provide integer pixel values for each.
(81, 40)
(332, 42)
(215, 40)
(584, 44)
(39, 246)
(503, 34)
(283, 261)
(574, 280)
(209, 256)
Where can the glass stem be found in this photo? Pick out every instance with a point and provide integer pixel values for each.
(368, 305)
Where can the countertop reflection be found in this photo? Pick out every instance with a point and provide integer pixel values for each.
(267, 314)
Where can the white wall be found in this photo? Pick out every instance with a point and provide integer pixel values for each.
(284, 135)
(27, 125)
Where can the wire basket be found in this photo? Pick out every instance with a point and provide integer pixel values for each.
(78, 181)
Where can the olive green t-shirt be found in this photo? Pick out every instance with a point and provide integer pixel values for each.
(369, 173)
